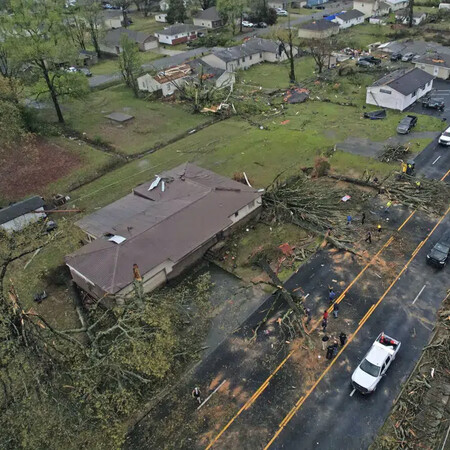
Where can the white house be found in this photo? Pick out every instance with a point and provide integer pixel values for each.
(208, 18)
(435, 64)
(399, 89)
(444, 5)
(162, 18)
(403, 16)
(112, 19)
(220, 77)
(111, 41)
(397, 4)
(318, 29)
(17, 216)
(372, 7)
(251, 52)
(280, 4)
(167, 81)
(349, 18)
(178, 33)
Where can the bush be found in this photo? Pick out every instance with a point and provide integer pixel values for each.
(212, 40)
(321, 166)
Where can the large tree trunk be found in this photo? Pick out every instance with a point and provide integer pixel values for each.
(94, 37)
(411, 13)
(53, 93)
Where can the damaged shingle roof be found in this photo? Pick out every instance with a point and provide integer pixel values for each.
(250, 47)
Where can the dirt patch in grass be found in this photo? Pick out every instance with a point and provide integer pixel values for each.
(29, 168)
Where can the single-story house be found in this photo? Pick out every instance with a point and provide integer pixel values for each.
(444, 5)
(87, 58)
(376, 20)
(164, 5)
(403, 16)
(208, 18)
(435, 64)
(372, 7)
(280, 4)
(319, 29)
(18, 215)
(397, 4)
(161, 228)
(251, 52)
(399, 89)
(349, 18)
(161, 17)
(112, 18)
(315, 2)
(111, 41)
(178, 33)
(166, 81)
(220, 77)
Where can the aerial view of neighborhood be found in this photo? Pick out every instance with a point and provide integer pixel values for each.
(224, 224)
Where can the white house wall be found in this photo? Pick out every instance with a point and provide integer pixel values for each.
(246, 210)
(349, 23)
(148, 83)
(437, 71)
(21, 222)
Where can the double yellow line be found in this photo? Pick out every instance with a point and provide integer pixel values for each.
(302, 399)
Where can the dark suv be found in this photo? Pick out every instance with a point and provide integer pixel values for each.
(406, 124)
(434, 103)
(371, 59)
(396, 56)
(440, 252)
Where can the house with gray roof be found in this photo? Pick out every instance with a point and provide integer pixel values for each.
(17, 216)
(179, 33)
(349, 19)
(436, 64)
(112, 18)
(251, 52)
(111, 41)
(399, 89)
(161, 228)
(403, 17)
(208, 18)
(318, 29)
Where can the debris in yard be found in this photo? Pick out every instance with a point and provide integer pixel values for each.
(296, 95)
(284, 122)
(38, 297)
(286, 249)
(375, 115)
(346, 198)
(394, 153)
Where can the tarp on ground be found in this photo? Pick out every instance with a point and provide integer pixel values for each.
(296, 95)
(375, 115)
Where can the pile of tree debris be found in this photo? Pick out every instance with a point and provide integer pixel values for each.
(398, 152)
(420, 416)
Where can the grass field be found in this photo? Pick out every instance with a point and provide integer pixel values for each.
(145, 24)
(154, 123)
(111, 65)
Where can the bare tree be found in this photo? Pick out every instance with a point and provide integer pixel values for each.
(286, 38)
(410, 13)
(320, 50)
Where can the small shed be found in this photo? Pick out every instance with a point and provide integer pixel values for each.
(119, 117)
(18, 215)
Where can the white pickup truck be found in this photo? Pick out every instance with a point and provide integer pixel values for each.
(375, 364)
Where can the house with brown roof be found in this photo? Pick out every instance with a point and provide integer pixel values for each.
(318, 29)
(208, 18)
(163, 226)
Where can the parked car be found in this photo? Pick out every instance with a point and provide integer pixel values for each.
(71, 69)
(247, 24)
(320, 7)
(406, 124)
(364, 63)
(445, 138)
(407, 57)
(371, 59)
(261, 25)
(85, 71)
(433, 103)
(440, 252)
(282, 12)
(373, 367)
(396, 56)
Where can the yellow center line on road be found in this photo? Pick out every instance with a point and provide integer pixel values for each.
(406, 221)
(261, 389)
(445, 176)
(298, 405)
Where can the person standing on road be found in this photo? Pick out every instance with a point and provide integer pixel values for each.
(379, 231)
(335, 310)
(335, 348)
(325, 315)
(388, 207)
(363, 218)
(369, 237)
(343, 338)
(331, 296)
(325, 339)
(324, 325)
(330, 349)
(308, 316)
(197, 394)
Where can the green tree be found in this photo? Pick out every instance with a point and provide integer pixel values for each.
(176, 12)
(130, 63)
(123, 5)
(232, 10)
(36, 32)
(91, 12)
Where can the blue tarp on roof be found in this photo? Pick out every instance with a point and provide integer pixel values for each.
(333, 16)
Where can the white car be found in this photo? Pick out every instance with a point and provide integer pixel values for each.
(375, 364)
(282, 12)
(445, 137)
(247, 24)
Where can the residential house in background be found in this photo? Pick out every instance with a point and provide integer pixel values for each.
(111, 41)
(372, 7)
(178, 33)
(280, 4)
(251, 52)
(349, 18)
(208, 18)
(435, 64)
(87, 58)
(399, 89)
(313, 3)
(319, 29)
(403, 16)
(162, 18)
(18, 215)
(161, 228)
(220, 77)
(397, 4)
(112, 18)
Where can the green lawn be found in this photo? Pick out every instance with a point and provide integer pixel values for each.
(145, 24)
(154, 123)
(303, 11)
(111, 65)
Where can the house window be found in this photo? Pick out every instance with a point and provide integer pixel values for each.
(260, 55)
(414, 94)
(176, 36)
(385, 91)
(250, 57)
(238, 62)
(243, 59)
(236, 214)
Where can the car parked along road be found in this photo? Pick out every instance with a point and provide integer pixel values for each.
(406, 124)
